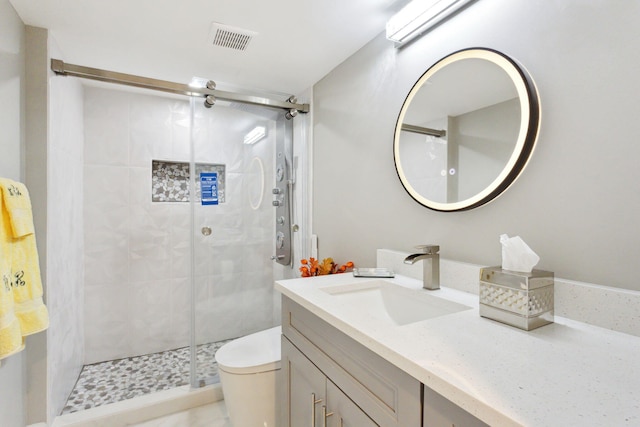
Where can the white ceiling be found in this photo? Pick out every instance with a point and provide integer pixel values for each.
(298, 41)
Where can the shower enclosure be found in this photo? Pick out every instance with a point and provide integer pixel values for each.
(180, 236)
(233, 236)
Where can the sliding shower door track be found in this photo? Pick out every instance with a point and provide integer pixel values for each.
(61, 68)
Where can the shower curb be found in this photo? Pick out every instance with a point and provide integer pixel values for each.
(143, 408)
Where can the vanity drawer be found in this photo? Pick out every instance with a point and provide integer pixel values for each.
(387, 394)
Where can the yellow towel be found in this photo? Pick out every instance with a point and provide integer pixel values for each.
(18, 205)
(11, 340)
(25, 269)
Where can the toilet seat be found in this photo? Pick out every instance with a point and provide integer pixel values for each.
(252, 354)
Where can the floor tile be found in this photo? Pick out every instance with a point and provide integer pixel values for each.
(116, 380)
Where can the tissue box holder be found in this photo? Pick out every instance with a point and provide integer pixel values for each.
(523, 300)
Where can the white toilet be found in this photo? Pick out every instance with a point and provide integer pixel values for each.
(248, 368)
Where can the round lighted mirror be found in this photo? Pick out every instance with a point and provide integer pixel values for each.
(466, 130)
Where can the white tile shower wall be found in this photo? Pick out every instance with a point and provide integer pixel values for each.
(64, 281)
(607, 307)
(137, 253)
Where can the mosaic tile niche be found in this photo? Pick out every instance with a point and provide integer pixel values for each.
(170, 180)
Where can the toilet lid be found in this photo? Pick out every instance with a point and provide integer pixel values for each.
(254, 353)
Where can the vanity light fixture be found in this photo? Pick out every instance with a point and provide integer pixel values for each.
(255, 135)
(419, 16)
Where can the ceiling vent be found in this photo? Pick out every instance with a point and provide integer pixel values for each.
(230, 37)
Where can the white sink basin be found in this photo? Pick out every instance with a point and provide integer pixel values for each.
(392, 303)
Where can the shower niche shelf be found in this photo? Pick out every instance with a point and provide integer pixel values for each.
(170, 180)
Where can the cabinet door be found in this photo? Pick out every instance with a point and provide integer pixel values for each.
(441, 412)
(344, 412)
(304, 387)
(388, 395)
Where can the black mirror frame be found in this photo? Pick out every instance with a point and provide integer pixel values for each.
(524, 146)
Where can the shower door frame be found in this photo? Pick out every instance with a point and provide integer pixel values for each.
(290, 104)
(282, 153)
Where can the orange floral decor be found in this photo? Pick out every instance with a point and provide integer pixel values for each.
(312, 267)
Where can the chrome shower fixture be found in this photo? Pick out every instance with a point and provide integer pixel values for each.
(209, 101)
(195, 88)
(291, 114)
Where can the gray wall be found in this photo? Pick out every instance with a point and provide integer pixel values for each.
(52, 169)
(12, 47)
(484, 142)
(577, 203)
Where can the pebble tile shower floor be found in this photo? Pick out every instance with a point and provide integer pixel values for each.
(116, 380)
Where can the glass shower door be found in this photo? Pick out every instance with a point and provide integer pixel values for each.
(232, 228)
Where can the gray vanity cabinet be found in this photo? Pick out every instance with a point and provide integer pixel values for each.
(441, 412)
(314, 400)
(305, 385)
(322, 364)
(345, 412)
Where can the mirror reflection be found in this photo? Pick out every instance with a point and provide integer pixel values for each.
(465, 130)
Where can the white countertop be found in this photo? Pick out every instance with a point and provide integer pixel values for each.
(564, 374)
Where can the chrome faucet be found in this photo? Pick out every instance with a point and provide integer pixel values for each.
(431, 264)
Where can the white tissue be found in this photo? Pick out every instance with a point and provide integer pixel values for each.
(516, 255)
